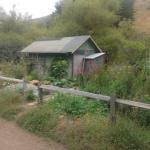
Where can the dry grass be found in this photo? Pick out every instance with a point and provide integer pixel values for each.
(142, 16)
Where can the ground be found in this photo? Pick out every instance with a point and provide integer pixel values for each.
(142, 16)
(14, 138)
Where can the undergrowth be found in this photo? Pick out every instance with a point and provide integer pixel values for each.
(10, 104)
(81, 125)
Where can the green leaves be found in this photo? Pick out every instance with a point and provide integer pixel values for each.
(82, 17)
(59, 68)
(76, 106)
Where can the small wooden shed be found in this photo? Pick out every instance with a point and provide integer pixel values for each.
(82, 53)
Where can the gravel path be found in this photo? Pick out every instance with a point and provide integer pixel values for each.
(13, 137)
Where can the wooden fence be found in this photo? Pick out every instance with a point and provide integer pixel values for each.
(98, 97)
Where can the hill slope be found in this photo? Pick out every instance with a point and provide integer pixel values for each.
(142, 16)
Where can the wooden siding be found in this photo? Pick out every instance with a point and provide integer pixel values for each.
(94, 65)
(88, 48)
(42, 62)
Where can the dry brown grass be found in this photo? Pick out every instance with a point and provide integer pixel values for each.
(142, 16)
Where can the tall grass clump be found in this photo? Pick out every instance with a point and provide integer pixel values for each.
(41, 120)
(96, 133)
(10, 104)
(16, 70)
(81, 125)
(76, 106)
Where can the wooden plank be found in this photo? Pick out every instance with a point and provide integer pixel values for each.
(113, 109)
(76, 92)
(24, 88)
(10, 79)
(98, 97)
(133, 103)
(40, 94)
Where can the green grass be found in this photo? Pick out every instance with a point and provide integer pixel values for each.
(82, 124)
(76, 106)
(10, 104)
(41, 120)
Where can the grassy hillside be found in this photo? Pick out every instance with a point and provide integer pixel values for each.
(142, 13)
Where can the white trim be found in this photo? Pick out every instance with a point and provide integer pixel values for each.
(93, 56)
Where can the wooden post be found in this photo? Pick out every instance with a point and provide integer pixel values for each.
(113, 109)
(40, 94)
(24, 87)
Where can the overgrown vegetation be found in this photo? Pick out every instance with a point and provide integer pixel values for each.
(10, 104)
(82, 124)
(30, 96)
(130, 82)
(74, 121)
(59, 68)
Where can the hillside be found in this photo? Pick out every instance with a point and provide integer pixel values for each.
(142, 15)
(42, 20)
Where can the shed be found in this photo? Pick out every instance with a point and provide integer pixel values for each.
(82, 53)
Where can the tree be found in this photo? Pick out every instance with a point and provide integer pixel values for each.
(84, 16)
(127, 10)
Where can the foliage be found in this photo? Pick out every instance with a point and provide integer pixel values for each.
(126, 135)
(59, 68)
(76, 106)
(16, 70)
(41, 120)
(125, 81)
(127, 10)
(140, 116)
(33, 75)
(30, 96)
(9, 104)
(91, 131)
(17, 31)
(99, 14)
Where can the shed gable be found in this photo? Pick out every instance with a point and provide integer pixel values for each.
(87, 48)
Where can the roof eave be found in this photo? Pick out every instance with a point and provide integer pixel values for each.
(45, 52)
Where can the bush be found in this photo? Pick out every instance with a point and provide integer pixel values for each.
(59, 68)
(10, 104)
(30, 96)
(141, 116)
(76, 106)
(90, 131)
(41, 120)
(126, 135)
(34, 75)
(95, 133)
(13, 70)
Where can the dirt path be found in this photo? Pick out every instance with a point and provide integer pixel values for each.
(13, 137)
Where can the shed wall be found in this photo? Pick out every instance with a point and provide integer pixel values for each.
(41, 63)
(88, 48)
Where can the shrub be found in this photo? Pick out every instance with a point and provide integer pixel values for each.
(126, 135)
(59, 68)
(76, 106)
(13, 70)
(30, 96)
(34, 75)
(41, 120)
(90, 131)
(10, 104)
(141, 116)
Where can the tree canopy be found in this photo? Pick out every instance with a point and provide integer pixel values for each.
(101, 19)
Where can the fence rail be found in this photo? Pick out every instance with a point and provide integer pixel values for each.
(11, 79)
(98, 97)
(110, 99)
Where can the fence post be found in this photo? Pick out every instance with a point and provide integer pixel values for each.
(40, 94)
(113, 109)
(24, 87)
